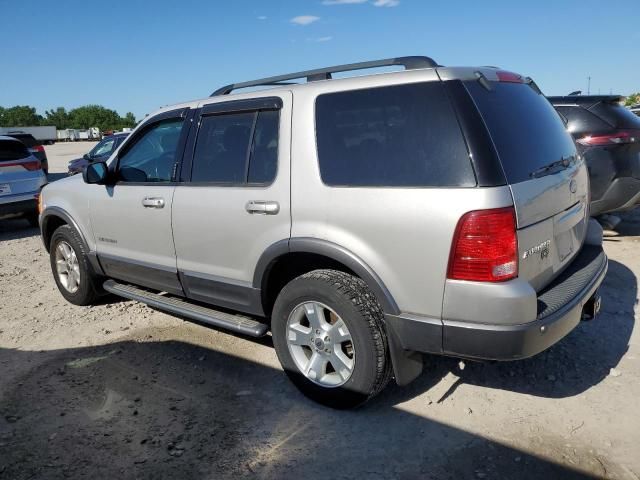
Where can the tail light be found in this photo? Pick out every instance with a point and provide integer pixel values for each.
(36, 148)
(615, 138)
(40, 206)
(485, 246)
(32, 166)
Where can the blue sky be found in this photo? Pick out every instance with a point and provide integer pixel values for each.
(136, 56)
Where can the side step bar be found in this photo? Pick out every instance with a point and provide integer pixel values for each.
(235, 323)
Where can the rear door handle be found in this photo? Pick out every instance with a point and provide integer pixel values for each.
(262, 207)
(153, 202)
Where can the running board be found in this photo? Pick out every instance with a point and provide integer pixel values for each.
(235, 323)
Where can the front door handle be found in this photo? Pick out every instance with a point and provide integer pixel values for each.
(262, 207)
(153, 202)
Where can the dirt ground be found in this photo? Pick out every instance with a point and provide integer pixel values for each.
(120, 390)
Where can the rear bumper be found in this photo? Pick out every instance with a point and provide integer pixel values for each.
(19, 204)
(560, 308)
(622, 194)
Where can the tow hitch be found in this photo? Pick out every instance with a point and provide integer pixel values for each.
(592, 307)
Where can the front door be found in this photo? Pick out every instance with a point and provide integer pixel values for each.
(131, 218)
(236, 201)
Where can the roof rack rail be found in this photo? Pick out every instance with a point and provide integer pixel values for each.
(409, 63)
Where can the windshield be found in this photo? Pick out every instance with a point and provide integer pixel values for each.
(528, 133)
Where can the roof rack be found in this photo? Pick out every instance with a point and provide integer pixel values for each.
(409, 63)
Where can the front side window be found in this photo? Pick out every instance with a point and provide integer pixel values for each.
(237, 148)
(396, 136)
(153, 155)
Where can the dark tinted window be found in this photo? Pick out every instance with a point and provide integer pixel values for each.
(12, 150)
(580, 121)
(264, 157)
(399, 136)
(616, 115)
(525, 128)
(230, 151)
(26, 138)
(152, 155)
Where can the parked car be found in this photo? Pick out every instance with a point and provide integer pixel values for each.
(608, 136)
(100, 152)
(362, 220)
(635, 109)
(21, 178)
(34, 147)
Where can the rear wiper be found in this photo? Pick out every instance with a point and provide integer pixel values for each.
(557, 166)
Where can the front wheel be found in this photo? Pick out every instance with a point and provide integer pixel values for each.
(328, 333)
(71, 268)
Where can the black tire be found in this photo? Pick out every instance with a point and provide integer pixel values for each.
(90, 286)
(352, 300)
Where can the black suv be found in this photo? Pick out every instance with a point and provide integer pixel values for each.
(608, 136)
(34, 146)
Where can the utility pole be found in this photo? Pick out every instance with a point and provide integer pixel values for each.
(589, 85)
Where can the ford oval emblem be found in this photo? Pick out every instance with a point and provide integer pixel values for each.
(573, 186)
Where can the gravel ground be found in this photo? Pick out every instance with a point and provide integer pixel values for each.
(120, 390)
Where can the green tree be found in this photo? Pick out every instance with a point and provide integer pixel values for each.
(632, 99)
(58, 117)
(20, 116)
(129, 120)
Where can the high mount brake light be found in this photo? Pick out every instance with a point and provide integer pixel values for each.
(485, 246)
(509, 77)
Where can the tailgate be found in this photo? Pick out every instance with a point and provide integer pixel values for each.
(552, 216)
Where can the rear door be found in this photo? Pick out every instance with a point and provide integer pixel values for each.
(548, 180)
(234, 201)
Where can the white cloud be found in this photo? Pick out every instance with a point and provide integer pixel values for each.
(320, 39)
(304, 19)
(386, 3)
(262, 17)
(342, 2)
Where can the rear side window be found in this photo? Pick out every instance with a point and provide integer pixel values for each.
(398, 136)
(526, 130)
(616, 115)
(12, 150)
(580, 121)
(237, 148)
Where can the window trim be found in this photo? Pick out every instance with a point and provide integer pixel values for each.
(253, 105)
(186, 114)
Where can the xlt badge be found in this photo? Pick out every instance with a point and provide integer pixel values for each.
(542, 249)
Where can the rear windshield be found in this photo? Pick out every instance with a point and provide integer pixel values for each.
(25, 138)
(12, 150)
(616, 115)
(396, 136)
(528, 133)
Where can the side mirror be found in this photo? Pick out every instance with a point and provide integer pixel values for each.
(95, 172)
(86, 156)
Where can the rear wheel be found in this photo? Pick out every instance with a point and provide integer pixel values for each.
(71, 268)
(328, 333)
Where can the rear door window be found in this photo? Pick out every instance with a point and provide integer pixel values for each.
(526, 130)
(12, 150)
(397, 136)
(237, 148)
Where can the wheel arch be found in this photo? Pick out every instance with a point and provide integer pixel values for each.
(314, 250)
(54, 217)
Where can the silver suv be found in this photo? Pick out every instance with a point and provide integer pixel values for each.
(362, 220)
